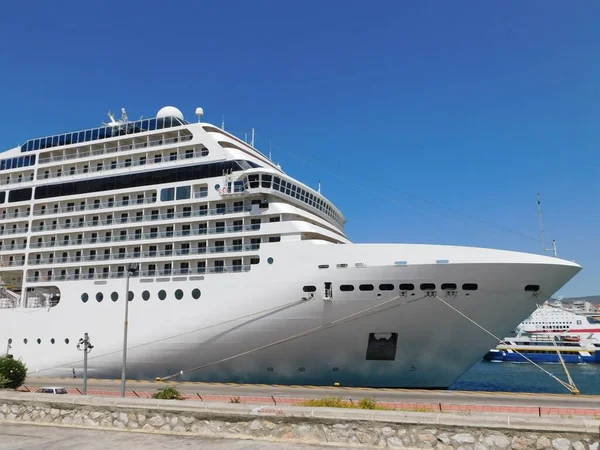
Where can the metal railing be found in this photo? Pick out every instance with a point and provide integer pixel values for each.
(148, 235)
(148, 254)
(109, 150)
(92, 206)
(143, 273)
(17, 180)
(9, 231)
(143, 218)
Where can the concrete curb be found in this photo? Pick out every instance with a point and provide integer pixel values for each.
(328, 415)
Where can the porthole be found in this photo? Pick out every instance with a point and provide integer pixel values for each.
(427, 286)
(346, 288)
(448, 286)
(162, 294)
(407, 287)
(309, 288)
(469, 287)
(99, 297)
(366, 287)
(146, 295)
(217, 187)
(532, 288)
(336, 369)
(67, 341)
(196, 294)
(386, 287)
(25, 341)
(10, 340)
(269, 369)
(130, 296)
(301, 369)
(270, 260)
(178, 294)
(52, 341)
(323, 266)
(39, 341)
(114, 296)
(84, 297)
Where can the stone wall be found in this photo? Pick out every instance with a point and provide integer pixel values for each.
(239, 422)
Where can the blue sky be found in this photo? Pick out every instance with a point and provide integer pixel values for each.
(426, 122)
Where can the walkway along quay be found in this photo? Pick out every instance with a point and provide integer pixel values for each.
(306, 425)
(401, 399)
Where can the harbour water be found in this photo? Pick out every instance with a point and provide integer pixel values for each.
(525, 377)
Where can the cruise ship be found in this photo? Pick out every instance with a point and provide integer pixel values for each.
(234, 271)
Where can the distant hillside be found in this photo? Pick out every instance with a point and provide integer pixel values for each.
(591, 299)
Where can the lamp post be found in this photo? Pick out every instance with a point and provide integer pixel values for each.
(130, 271)
(86, 346)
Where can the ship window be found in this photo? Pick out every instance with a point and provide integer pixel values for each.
(183, 192)
(196, 294)
(178, 294)
(167, 194)
(146, 295)
(427, 286)
(346, 288)
(448, 286)
(309, 288)
(162, 294)
(99, 297)
(386, 287)
(84, 297)
(266, 181)
(323, 266)
(19, 195)
(114, 296)
(382, 346)
(254, 260)
(341, 266)
(470, 287)
(366, 287)
(532, 287)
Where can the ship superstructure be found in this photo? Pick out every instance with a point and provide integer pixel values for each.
(236, 271)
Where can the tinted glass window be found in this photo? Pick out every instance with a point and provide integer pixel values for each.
(386, 287)
(346, 288)
(407, 287)
(309, 288)
(469, 287)
(139, 179)
(366, 287)
(183, 192)
(19, 195)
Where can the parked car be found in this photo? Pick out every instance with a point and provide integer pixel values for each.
(52, 390)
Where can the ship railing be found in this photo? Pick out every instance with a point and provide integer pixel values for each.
(13, 263)
(23, 179)
(13, 231)
(8, 303)
(144, 273)
(125, 164)
(15, 215)
(148, 235)
(13, 247)
(92, 206)
(109, 150)
(149, 254)
(143, 218)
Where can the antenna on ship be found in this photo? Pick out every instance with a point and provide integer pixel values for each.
(319, 190)
(270, 159)
(223, 122)
(252, 141)
(553, 249)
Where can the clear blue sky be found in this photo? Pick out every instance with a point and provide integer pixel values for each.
(406, 111)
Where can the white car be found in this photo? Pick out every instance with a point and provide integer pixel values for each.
(52, 390)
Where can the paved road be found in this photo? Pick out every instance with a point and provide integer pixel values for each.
(381, 395)
(24, 437)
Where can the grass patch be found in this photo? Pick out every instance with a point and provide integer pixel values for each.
(338, 402)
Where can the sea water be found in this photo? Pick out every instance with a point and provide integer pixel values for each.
(525, 377)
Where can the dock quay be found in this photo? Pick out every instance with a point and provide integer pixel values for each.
(214, 415)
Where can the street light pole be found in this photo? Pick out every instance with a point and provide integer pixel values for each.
(130, 271)
(87, 347)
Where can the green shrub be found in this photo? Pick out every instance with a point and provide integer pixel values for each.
(168, 393)
(338, 402)
(12, 372)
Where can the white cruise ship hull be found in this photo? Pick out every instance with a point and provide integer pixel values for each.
(260, 326)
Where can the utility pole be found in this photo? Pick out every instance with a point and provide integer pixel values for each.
(87, 347)
(131, 270)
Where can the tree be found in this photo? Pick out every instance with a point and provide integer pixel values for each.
(12, 372)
